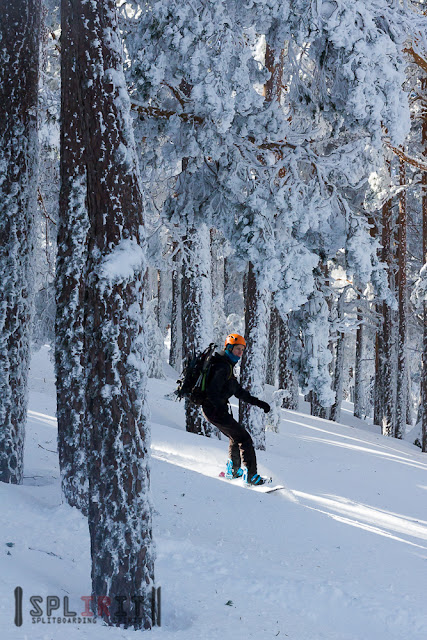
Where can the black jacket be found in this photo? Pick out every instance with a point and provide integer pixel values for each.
(222, 384)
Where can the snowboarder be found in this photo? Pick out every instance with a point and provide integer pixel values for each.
(221, 385)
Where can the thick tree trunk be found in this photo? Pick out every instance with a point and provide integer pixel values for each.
(316, 408)
(252, 375)
(73, 226)
(119, 476)
(287, 377)
(273, 346)
(196, 299)
(175, 355)
(402, 376)
(19, 74)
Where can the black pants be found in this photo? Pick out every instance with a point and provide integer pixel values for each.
(241, 449)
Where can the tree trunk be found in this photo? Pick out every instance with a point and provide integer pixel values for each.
(196, 298)
(19, 74)
(402, 377)
(175, 355)
(424, 312)
(386, 354)
(252, 375)
(161, 300)
(73, 226)
(379, 373)
(338, 384)
(119, 505)
(273, 346)
(359, 369)
(217, 270)
(287, 378)
(316, 408)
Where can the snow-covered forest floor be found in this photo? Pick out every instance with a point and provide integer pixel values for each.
(340, 555)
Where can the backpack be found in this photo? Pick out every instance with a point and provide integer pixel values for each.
(192, 383)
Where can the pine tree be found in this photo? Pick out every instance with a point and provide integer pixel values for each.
(387, 370)
(252, 377)
(287, 376)
(19, 75)
(424, 307)
(359, 369)
(196, 300)
(175, 355)
(273, 346)
(338, 380)
(402, 372)
(73, 228)
(115, 413)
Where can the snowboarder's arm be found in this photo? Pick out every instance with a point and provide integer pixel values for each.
(244, 395)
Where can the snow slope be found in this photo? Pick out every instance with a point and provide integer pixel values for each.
(340, 555)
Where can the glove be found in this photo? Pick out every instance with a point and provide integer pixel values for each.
(264, 406)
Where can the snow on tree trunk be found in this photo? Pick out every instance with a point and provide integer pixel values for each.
(273, 346)
(424, 310)
(175, 355)
(386, 353)
(19, 75)
(120, 520)
(217, 268)
(287, 377)
(162, 296)
(402, 374)
(196, 308)
(252, 376)
(73, 226)
(316, 356)
(378, 387)
(338, 384)
(359, 369)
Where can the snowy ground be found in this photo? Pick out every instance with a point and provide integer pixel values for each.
(341, 555)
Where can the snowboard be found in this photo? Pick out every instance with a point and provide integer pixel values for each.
(263, 488)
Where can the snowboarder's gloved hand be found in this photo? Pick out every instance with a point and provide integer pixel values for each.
(264, 406)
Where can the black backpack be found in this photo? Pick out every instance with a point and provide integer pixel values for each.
(192, 383)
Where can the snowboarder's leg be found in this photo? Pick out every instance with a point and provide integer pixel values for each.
(234, 454)
(241, 449)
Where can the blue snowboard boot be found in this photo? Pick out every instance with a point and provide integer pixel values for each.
(233, 472)
(254, 480)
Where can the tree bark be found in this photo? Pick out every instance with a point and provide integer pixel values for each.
(218, 305)
(387, 378)
(20, 34)
(338, 384)
(287, 377)
(73, 226)
(424, 311)
(175, 355)
(379, 373)
(196, 298)
(359, 375)
(402, 376)
(252, 375)
(273, 346)
(119, 474)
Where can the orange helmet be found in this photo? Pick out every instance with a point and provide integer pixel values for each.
(235, 338)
